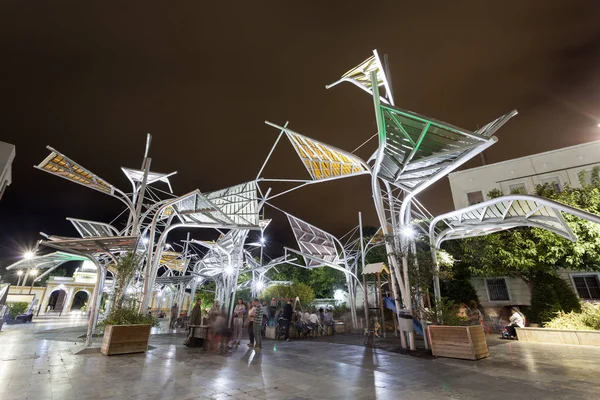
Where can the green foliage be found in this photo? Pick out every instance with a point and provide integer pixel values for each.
(549, 296)
(323, 281)
(340, 310)
(445, 312)
(460, 290)
(18, 308)
(301, 290)
(56, 272)
(128, 316)
(587, 319)
(207, 294)
(125, 268)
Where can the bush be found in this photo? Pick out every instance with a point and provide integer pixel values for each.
(18, 308)
(128, 316)
(587, 319)
(549, 296)
(301, 290)
(445, 312)
(460, 291)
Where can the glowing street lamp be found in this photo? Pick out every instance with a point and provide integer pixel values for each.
(28, 255)
(408, 232)
(19, 274)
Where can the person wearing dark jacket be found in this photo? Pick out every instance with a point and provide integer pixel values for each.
(288, 311)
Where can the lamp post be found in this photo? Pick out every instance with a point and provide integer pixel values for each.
(33, 273)
(19, 274)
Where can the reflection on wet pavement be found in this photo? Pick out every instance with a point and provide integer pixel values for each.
(38, 361)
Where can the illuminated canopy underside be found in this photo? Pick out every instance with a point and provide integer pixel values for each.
(60, 165)
(172, 260)
(46, 261)
(314, 242)
(239, 203)
(418, 147)
(234, 207)
(136, 175)
(89, 229)
(504, 213)
(93, 245)
(361, 76)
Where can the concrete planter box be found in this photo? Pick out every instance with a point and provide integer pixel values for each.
(270, 332)
(125, 339)
(465, 342)
(559, 336)
(340, 327)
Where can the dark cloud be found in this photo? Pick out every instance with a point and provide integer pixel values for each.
(90, 79)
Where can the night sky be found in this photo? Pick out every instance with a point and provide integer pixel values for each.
(202, 77)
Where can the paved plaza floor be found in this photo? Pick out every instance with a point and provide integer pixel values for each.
(39, 361)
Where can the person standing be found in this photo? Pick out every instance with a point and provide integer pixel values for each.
(174, 315)
(238, 321)
(258, 319)
(251, 314)
(195, 319)
(288, 311)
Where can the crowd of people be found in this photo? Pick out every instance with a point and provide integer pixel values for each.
(253, 318)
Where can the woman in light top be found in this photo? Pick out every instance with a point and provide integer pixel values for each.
(238, 321)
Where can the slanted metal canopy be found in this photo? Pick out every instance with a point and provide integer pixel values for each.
(195, 208)
(323, 161)
(314, 242)
(137, 176)
(173, 260)
(361, 76)
(165, 280)
(94, 245)
(51, 260)
(419, 148)
(239, 203)
(60, 165)
(89, 229)
(504, 213)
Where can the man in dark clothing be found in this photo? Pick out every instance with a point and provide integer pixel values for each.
(288, 311)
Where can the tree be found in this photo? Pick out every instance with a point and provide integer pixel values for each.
(56, 272)
(301, 290)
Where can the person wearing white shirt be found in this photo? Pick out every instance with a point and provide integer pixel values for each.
(516, 320)
(313, 320)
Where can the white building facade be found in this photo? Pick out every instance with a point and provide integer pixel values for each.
(7, 155)
(559, 168)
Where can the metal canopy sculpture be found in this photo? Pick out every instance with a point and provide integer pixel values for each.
(320, 248)
(88, 229)
(48, 261)
(361, 77)
(507, 212)
(239, 203)
(314, 242)
(60, 165)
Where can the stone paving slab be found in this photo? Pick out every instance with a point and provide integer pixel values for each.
(39, 361)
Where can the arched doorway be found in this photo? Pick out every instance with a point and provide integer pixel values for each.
(80, 299)
(57, 300)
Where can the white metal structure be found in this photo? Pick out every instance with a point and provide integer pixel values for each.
(502, 213)
(7, 155)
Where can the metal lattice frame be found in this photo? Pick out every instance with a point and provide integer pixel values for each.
(320, 248)
(499, 214)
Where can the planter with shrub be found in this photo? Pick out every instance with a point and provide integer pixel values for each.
(451, 337)
(126, 330)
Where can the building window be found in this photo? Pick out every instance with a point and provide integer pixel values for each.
(553, 182)
(475, 197)
(587, 286)
(517, 188)
(497, 289)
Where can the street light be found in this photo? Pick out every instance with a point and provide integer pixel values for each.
(33, 273)
(19, 274)
(408, 232)
(28, 255)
